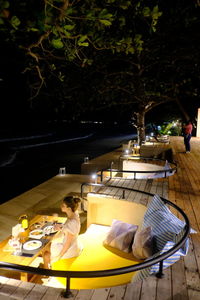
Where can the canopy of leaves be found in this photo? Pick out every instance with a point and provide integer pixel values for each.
(81, 55)
(55, 32)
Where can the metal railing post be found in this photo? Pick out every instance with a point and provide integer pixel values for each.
(160, 273)
(111, 164)
(67, 293)
(101, 177)
(82, 190)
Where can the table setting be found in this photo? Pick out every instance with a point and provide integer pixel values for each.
(30, 240)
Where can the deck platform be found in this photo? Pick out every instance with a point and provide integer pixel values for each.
(181, 281)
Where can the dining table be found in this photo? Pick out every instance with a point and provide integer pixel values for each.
(34, 240)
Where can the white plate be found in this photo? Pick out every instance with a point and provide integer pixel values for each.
(32, 245)
(36, 234)
(49, 229)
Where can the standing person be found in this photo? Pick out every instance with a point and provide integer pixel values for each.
(187, 133)
(65, 243)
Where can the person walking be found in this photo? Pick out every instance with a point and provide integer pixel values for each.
(187, 134)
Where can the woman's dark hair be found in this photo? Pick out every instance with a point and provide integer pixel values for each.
(72, 202)
(188, 122)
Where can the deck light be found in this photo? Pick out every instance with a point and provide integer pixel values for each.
(126, 151)
(86, 159)
(62, 171)
(94, 177)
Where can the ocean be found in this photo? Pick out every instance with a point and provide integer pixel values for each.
(28, 160)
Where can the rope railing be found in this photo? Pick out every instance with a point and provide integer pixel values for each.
(111, 272)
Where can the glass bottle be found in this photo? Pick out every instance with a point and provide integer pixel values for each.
(24, 221)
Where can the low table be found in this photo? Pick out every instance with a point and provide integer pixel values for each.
(26, 258)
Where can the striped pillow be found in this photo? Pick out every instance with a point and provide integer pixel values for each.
(164, 224)
(167, 230)
(121, 235)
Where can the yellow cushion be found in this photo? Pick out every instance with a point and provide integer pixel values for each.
(94, 257)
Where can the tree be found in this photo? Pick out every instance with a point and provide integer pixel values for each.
(124, 45)
(165, 70)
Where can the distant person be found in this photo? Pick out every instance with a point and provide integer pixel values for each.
(65, 243)
(187, 134)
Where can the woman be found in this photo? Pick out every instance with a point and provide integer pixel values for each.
(187, 134)
(65, 243)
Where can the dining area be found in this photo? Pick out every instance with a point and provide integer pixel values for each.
(28, 240)
(181, 281)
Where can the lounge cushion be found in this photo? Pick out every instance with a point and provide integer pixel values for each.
(121, 235)
(95, 256)
(142, 245)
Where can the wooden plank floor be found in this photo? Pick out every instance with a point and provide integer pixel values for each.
(182, 280)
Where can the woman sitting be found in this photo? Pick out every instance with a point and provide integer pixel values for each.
(65, 243)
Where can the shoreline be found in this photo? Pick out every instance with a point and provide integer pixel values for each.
(35, 165)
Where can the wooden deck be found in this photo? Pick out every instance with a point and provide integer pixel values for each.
(181, 281)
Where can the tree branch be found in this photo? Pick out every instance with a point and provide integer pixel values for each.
(40, 86)
(114, 87)
(63, 9)
(153, 104)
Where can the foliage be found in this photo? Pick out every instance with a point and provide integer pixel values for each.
(52, 33)
(173, 128)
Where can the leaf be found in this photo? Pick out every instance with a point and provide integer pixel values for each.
(5, 4)
(125, 5)
(156, 13)
(1, 21)
(146, 11)
(53, 67)
(33, 29)
(69, 11)
(111, 1)
(103, 13)
(131, 50)
(67, 34)
(105, 22)
(15, 22)
(69, 27)
(54, 30)
(84, 44)
(57, 43)
(61, 77)
(82, 38)
(122, 21)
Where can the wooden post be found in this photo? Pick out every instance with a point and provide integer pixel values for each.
(198, 123)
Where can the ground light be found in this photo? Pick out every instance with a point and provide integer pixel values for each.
(94, 177)
(62, 171)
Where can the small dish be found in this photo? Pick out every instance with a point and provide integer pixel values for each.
(49, 229)
(36, 234)
(35, 226)
(32, 245)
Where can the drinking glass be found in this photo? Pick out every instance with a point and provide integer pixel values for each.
(16, 244)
